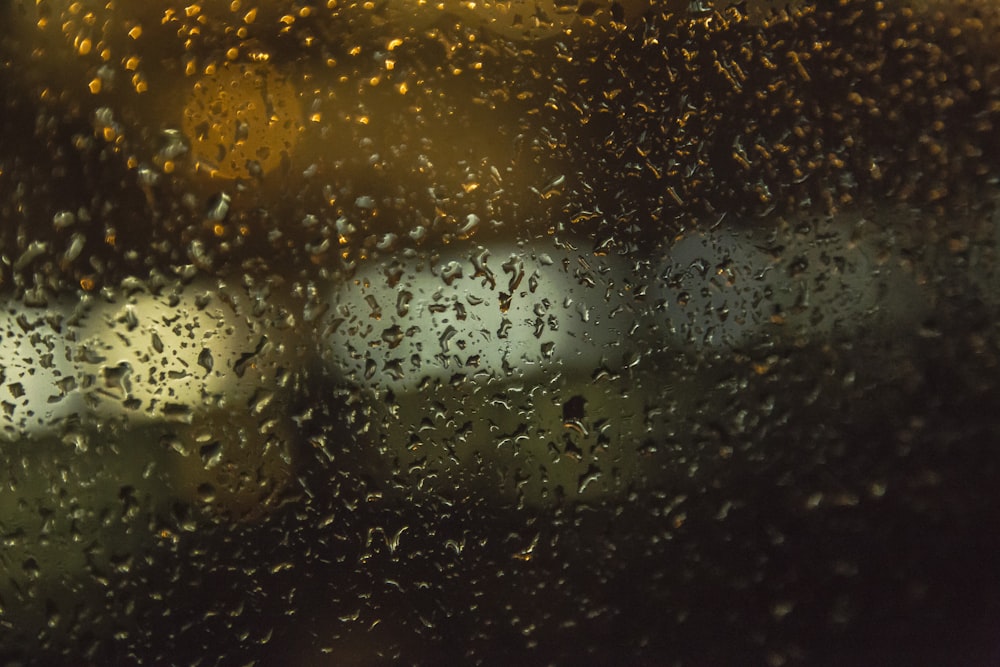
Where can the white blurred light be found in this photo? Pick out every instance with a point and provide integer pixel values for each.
(506, 312)
(730, 287)
(140, 358)
(38, 380)
(166, 356)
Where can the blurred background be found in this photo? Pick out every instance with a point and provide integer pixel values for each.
(519, 331)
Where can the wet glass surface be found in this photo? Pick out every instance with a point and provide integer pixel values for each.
(507, 332)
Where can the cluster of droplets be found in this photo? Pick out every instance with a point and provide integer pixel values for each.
(291, 277)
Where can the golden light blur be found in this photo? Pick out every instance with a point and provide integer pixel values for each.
(242, 121)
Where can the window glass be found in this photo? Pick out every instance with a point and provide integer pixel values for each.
(517, 331)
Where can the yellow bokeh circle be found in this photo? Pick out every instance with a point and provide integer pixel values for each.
(242, 121)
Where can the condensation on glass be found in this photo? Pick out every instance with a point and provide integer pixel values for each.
(543, 332)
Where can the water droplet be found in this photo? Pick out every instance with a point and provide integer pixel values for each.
(211, 454)
(63, 219)
(218, 207)
(205, 360)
